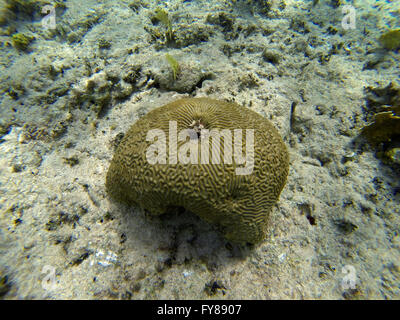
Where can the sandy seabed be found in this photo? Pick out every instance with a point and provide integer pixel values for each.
(67, 100)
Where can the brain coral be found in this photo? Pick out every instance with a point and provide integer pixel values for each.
(238, 203)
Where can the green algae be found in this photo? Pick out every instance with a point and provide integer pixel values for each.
(21, 42)
(385, 126)
(391, 40)
(162, 16)
(174, 65)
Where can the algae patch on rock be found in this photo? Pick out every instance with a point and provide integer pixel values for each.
(21, 41)
(383, 131)
(385, 127)
(391, 40)
(384, 103)
(238, 203)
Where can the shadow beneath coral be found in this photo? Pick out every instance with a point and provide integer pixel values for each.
(177, 237)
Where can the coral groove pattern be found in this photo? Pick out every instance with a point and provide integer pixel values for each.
(238, 204)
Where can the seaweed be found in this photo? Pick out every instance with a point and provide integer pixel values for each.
(174, 65)
(162, 16)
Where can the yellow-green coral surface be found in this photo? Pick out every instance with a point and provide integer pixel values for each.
(238, 204)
